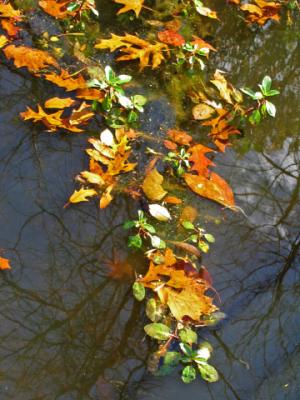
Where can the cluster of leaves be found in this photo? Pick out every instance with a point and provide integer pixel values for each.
(151, 54)
(178, 290)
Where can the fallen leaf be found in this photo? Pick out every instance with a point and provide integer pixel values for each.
(214, 188)
(57, 9)
(82, 195)
(7, 11)
(200, 162)
(3, 41)
(9, 26)
(59, 103)
(179, 137)
(159, 212)
(4, 264)
(189, 213)
(33, 59)
(172, 200)
(171, 37)
(130, 5)
(66, 81)
(152, 186)
(262, 11)
(202, 111)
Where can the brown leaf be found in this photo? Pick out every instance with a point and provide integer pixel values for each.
(213, 188)
(33, 59)
(66, 81)
(171, 37)
(179, 137)
(152, 186)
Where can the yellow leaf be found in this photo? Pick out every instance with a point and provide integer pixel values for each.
(152, 185)
(7, 11)
(130, 5)
(3, 41)
(57, 102)
(202, 111)
(82, 195)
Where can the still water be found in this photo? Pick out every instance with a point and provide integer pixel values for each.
(68, 331)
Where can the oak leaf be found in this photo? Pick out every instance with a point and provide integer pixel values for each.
(171, 37)
(130, 5)
(261, 11)
(9, 26)
(55, 8)
(33, 59)
(7, 11)
(179, 137)
(66, 81)
(200, 162)
(82, 195)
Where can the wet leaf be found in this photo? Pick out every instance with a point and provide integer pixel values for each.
(33, 59)
(208, 372)
(202, 111)
(130, 5)
(9, 25)
(154, 310)
(67, 81)
(171, 37)
(213, 188)
(82, 195)
(152, 185)
(187, 335)
(139, 291)
(159, 212)
(261, 11)
(7, 11)
(57, 102)
(4, 264)
(3, 41)
(188, 374)
(179, 137)
(170, 362)
(205, 11)
(158, 331)
(200, 162)
(172, 200)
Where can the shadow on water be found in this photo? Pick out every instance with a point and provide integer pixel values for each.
(69, 331)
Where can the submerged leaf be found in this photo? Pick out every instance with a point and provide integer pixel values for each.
(152, 185)
(4, 264)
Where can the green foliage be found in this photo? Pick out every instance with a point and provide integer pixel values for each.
(263, 106)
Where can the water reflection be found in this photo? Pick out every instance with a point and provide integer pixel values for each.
(68, 331)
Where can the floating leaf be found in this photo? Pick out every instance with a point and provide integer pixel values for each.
(187, 335)
(57, 102)
(33, 59)
(66, 81)
(202, 111)
(152, 185)
(3, 41)
(208, 372)
(188, 374)
(171, 37)
(159, 212)
(158, 331)
(138, 291)
(130, 5)
(213, 188)
(7, 11)
(4, 264)
(82, 195)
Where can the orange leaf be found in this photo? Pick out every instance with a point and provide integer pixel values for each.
(199, 160)
(65, 80)
(152, 185)
(89, 94)
(179, 137)
(172, 200)
(57, 9)
(213, 188)
(9, 26)
(4, 264)
(171, 37)
(57, 102)
(33, 59)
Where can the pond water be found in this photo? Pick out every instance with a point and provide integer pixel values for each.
(68, 331)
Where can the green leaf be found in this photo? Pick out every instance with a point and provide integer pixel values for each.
(170, 362)
(139, 291)
(248, 92)
(157, 242)
(149, 228)
(132, 117)
(72, 6)
(188, 336)
(135, 241)
(154, 310)
(208, 372)
(255, 117)
(188, 374)
(271, 109)
(139, 100)
(188, 225)
(272, 92)
(186, 349)
(210, 238)
(121, 79)
(125, 101)
(129, 224)
(158, 331)
(203, 246)
(109, 74)
(266, 84)
(194, 238)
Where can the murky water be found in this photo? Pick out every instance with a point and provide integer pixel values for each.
(68, 331)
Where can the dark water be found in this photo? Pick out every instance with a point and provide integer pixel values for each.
(70, 332)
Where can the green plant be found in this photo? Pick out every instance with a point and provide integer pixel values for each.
(115, 101)
(179, 160)
(198, 236)
(144, 231)
(263, 106)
